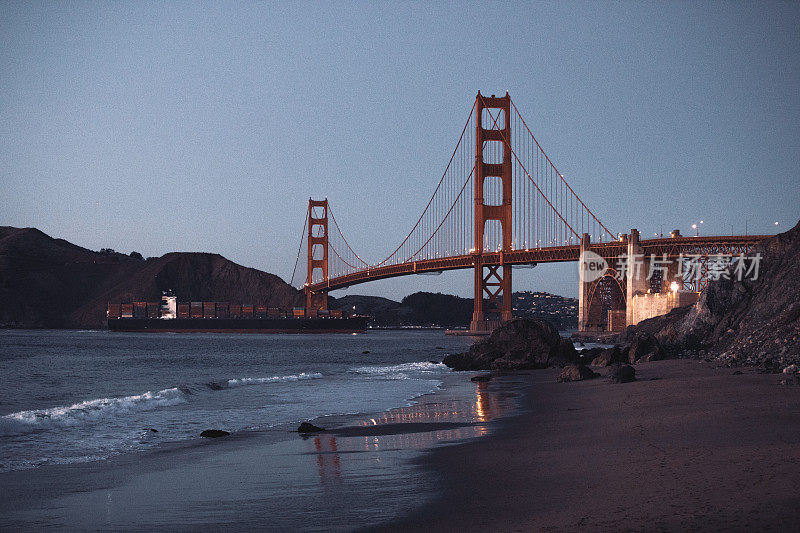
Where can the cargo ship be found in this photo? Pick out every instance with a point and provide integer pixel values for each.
(169, 315)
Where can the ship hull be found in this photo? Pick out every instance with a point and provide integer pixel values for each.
(239, 325)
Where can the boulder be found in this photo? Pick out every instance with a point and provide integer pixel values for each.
(608, 356)
(575, 373)
(791, 379)
(588, 354)
(515, 345)
(622, 373)
(645, 347)
(307, 427)
(214, 433)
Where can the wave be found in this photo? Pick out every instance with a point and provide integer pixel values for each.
(402, 371)
(241, 382)
(87, 411)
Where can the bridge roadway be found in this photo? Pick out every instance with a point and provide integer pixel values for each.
(671, 246)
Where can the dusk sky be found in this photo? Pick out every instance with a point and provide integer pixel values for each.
(191, 126)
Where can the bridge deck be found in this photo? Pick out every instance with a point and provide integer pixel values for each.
(671, 246)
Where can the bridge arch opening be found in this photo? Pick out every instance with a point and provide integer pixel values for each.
(492, 191)
(492, 236)
(493, 152)
(317, 230)
(606, 303)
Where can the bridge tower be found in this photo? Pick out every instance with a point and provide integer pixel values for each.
(492, 282)
(317, 251)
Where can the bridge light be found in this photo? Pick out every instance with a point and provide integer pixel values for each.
(673, 287)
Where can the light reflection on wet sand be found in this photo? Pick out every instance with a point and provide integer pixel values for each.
(328, 461)
(464, 420)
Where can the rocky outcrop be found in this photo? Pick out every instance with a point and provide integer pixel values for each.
(214, 433)
(575, 373)
(622, 373)
(643, 347)
(608, 356)
(308, 427)
(515, 345)
(748, 322)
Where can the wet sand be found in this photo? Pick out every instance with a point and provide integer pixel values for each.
(687, 447)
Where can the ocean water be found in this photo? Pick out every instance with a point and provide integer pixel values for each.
(78, 396)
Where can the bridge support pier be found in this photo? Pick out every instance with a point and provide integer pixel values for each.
(638, 268)
(317, 252)
(583, 287)
(494, 282)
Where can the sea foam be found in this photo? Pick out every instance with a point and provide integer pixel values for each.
(402, 371)
(240, 382)
(87, 411)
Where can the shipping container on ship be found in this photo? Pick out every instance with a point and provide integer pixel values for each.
(169, 315)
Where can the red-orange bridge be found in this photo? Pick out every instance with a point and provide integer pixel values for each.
(501, 202)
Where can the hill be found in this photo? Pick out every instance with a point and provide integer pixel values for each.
(435, 309)
(51, 283)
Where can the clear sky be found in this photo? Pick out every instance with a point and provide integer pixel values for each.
(191, 126)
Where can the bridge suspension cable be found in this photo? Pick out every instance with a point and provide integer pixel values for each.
(303, 240)
(546, 211)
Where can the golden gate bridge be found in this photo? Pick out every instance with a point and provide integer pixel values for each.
(501, 202)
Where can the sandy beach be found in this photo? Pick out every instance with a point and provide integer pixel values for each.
(686, 447)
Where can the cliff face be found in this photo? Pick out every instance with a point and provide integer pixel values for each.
(46, 282)
(753, 322)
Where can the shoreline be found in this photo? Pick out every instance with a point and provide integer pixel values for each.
(175, 485)
(688, 446)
